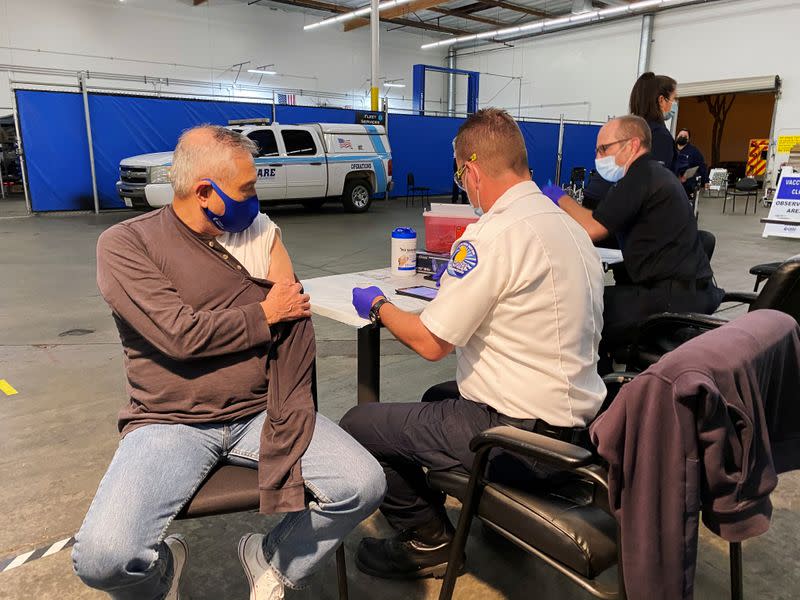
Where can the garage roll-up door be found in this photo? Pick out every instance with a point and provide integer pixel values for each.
(765, 83)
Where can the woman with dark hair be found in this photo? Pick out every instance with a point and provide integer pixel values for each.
(654, 98)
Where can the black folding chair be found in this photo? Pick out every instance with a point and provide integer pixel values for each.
(413, 191)
(747, 187)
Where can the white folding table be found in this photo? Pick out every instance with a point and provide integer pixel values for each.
(331, 297)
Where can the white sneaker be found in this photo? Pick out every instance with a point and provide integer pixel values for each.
(180, 554)
(263, 583)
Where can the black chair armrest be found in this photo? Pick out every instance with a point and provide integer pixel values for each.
(672, 320)
(746, 297)
(552, 452)
(619, 378)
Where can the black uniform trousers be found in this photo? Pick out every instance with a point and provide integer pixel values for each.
(435, 434)
(624, 306)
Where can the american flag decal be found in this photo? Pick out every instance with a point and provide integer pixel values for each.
(286, 99)
(343, 143)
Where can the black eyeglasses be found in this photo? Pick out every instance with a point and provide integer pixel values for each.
(603, 148)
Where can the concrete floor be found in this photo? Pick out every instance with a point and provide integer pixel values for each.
(59, 348)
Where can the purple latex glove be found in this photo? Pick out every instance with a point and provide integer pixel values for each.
(554, 192)
(437, 277)
(363, 298)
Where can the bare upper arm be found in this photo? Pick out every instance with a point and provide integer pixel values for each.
(280, 264)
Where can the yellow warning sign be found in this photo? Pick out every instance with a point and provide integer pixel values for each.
(6, 388)
(787, 142)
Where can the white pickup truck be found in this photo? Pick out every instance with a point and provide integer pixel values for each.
(309, 164)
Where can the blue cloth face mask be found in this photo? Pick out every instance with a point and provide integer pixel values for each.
(608, 169)
(670, 114)
(238, 215)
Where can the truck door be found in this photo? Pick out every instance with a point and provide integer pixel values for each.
(306, 168)
(271, 171)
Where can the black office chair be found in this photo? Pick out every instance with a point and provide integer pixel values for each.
(664, 332)
(627, 353)
(577, 183)
(577, 177)
(708, 241)
(747, 187)
(762, 272)
(565, 521)
(413, 191)
(231, 489)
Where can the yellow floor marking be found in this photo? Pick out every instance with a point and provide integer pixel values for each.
(6, 388)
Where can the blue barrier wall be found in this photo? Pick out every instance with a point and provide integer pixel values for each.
(57, 159)
(294, 115)
(53, 132)
(422, 146)
(541, 140)
(579, 149)
(125, 126)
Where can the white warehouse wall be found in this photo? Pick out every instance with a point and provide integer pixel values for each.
(597, 64)
(737, 39)
(577, 73)
(198, 43)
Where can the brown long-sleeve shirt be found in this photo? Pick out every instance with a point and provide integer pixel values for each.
(198, 348)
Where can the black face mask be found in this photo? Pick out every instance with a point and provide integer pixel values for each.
(682, 141)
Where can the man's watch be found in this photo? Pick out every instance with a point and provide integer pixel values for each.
(374, 312)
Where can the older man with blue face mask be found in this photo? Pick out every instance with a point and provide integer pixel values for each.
(649, 213)
(210, 348)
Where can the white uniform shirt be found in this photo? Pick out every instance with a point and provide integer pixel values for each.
(252, 246)
(522, 302)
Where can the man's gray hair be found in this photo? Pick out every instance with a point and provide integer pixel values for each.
(196, 157)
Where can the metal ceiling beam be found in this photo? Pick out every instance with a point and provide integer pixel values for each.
(469, 16)
(515, 7)
(333, 8)
(397, 11)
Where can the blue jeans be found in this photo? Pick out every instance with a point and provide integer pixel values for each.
(156, 470)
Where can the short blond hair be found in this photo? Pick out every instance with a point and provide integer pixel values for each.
(494, 137)
(633, 126)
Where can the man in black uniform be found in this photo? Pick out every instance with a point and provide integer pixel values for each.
(648, 212)
(689, 156)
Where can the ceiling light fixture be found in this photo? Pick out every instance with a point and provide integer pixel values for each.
(394, 85)
(262, 71)
(547, 24)
(354, 14)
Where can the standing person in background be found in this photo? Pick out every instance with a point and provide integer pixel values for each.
(458, 196)
(654, 98)
(690, 156)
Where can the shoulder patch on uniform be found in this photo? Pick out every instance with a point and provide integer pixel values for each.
(464, 259)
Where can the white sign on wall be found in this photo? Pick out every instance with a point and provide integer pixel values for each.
(784, 215)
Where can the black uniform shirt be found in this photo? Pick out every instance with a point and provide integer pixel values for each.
(689, 156)
(649, 212)
(663, 145)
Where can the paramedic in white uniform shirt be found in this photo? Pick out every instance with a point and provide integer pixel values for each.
(521, 302)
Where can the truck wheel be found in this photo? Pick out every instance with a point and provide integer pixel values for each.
(357, 196)
(315, 204)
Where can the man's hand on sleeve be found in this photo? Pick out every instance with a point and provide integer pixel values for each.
(554, 192)
(286, 302)
(364, 298)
